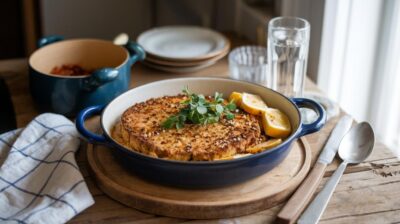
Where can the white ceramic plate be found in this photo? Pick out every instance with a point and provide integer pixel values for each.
(173, 69)
(182, 42)
(159, 61)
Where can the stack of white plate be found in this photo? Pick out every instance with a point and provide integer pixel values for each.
(182, 49)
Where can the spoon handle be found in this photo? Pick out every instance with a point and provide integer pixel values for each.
(317, 207)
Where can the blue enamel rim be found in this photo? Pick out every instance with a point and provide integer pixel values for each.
(303, 129)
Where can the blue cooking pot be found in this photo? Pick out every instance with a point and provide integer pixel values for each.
(69, 94)
(199, 174)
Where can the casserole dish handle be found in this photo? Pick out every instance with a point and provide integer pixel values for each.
(136, 52)
(105, 75)
(100, 77)
(49, 40)
(316, 125)
(80, 124)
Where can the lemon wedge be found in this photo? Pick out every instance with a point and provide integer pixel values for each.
(264, 145)
(275, 123)
(253, 104)
(236, 97)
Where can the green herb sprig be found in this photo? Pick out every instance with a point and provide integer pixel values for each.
(198, 110)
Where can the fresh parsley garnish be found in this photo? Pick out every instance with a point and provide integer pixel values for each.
(198, 110)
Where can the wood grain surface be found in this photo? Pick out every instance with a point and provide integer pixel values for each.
(367, 193)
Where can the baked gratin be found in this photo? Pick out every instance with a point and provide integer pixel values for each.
(174, 127)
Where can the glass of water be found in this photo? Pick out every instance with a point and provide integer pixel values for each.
(249, 63)
(288, 40)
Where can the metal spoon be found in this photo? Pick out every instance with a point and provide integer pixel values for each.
(354, 148)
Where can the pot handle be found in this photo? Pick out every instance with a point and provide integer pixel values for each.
(80, 123)
(306, 129)
(100, 77)
(136, 52)
(49, 40)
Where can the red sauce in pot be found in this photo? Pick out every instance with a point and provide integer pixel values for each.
(70, 70)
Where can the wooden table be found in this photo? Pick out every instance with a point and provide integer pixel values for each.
(367, 193)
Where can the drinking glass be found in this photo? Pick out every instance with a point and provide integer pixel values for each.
(249, 63)
(288, 40)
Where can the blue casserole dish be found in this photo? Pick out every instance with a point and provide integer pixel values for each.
(199, 174)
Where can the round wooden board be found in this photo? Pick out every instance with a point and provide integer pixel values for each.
(252, 196)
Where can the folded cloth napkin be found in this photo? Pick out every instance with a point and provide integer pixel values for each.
(40, 181)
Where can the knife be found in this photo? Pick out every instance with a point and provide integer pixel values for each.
(293, 208)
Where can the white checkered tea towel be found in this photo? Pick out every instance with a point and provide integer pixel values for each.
(40, 181)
